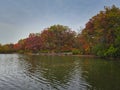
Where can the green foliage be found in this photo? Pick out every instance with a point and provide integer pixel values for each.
(7, 48)
(44, 51)
(75, 51)
(21, 51)
(111, 51)
(99, 50)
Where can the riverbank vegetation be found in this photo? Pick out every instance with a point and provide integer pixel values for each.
(101, 37)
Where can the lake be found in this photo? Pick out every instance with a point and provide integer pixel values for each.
(32, 72)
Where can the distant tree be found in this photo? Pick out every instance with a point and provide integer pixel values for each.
(58, 38)
(20, 46)
(33, 42)
(7, 48)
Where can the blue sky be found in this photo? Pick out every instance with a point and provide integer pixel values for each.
(18, 18)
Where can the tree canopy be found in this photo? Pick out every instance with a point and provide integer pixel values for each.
(57, 38)
(101, 36)
(102, 33)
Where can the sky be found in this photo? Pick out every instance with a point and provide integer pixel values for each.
(18, 18)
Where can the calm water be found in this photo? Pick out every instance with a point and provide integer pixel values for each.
(22, 72)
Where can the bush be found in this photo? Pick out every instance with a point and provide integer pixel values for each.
(75, 51)
(99, 50)
(111, 51)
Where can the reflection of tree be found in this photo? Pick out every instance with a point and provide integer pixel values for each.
(101, 74)
(66, 72)
(58, 72)
(55, 69)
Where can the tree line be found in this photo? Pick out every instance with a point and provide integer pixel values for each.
(101, 37)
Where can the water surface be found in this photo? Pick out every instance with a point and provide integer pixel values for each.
(24, 72)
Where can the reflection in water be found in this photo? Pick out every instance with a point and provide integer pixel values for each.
(24, 72)
(59, 71)
(102, 74)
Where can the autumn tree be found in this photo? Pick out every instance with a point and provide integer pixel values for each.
(20, 45)
(58, 38)
(7, 48)
(102, 32)
(33, 42)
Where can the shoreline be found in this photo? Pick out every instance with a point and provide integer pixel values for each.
(63, 54)
(55, 54)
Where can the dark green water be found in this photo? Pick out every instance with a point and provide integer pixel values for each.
(22, 72)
